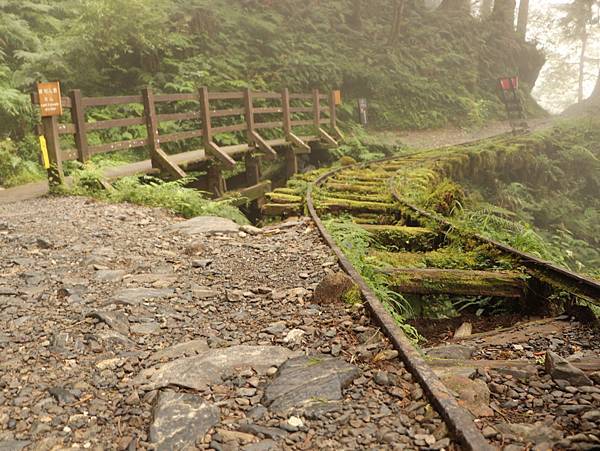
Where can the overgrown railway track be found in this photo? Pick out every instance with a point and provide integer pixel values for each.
(427, 258)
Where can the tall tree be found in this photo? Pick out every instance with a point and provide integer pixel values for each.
(523, 19)
(399, 6)
(485, 8)
(504, 12)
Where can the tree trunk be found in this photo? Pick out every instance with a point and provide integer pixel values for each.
(462, 6)
(584, 42)
(396, 25)
(504, 12)
(485, 10)
(595, 97)
(523, 19)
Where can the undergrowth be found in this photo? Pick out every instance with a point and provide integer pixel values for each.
(152, 192)
(356, 243)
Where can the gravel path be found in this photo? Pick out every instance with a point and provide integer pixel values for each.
(119, 332)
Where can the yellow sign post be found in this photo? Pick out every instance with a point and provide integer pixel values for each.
(337, 95)
(44, 148)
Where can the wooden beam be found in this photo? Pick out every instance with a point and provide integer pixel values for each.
(159, 158)
(252, 164)
(287, 116)
(263, 146)
(78, 118)
(250, 193)
(301, 147)
(56, 175)
(317, 109)
(215, 181)
(327, 137)
(218, 153)
(458, 282)
(291, 163)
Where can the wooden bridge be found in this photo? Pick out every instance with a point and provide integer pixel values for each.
(266, 121)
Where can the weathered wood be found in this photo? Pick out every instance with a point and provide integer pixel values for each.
(333, 115)
(409, 238)
(216, 182)
(263, 145)
(105, 101)
(301, 96)
(327, 137)
(220, 155)
(334, 204)
(250, 193)
(301, 146)
(226, 95)
(227, 113)
(291, 163)
(176, 97)
(112, 123)
(66, 129)
(119, 145)
(229, 128)
(303, 122)
(269, 125)
(78, 118)
(266, 95)
(205, 114)
(159, 158)
(180, 136)
(281, 209)
(270, 110)
(287, 117)
(317, 110)
(252, 164)
(249, 115)
(178, 116)
(458, 282)
(301, 109)
(56, 175)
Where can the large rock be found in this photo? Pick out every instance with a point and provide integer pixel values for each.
(472, 394)
(332, 288)
(186, 349)
(13, 445)
(206, 368)
(115, 320)
(536, 433)
(452, 352)
(180, 420)
(207, 225)
(301, 381)
(559, 368)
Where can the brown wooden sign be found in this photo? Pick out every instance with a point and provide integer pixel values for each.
(337, 95)
(50, 99)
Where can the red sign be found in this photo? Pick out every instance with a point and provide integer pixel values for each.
(508, 84)
(50, 99)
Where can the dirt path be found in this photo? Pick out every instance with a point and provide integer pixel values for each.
(118, 331)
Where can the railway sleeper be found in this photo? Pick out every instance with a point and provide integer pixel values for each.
(277, 210)
(385, 198)
(404, 237)
(282, 198)
(458, 282)
(354, 206)
(355, 188)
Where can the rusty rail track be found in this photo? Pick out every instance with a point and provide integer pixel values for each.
(459, 420)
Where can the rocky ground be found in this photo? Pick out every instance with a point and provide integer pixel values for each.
(123, 327)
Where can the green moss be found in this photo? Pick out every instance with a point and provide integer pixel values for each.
(353, 297)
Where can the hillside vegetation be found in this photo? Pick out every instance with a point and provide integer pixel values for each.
(440, 68)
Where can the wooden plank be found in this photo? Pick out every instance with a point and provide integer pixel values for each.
(263, 145)
(180, 136)
(176, 97)
(226, 113)
(229, 128)
(266, 95)
(249, 114)
(66, 129)
(120, 145)
(274, 110)
(206, 116)
(226, 95)
(78, 117)
(458, 282)
(291, 163)
(113, 123)
(303, 109)
(56, 175)
(252, 164)
(301, 96)
(220, 155)
(301, 146)
(171, 117)
(327, 137)
(163, 161)
(250, 193)
(216, 182)
(264, 125)
(116, 100)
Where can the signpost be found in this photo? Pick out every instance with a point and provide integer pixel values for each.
(50, 102)
(509, 91)
(363, 107)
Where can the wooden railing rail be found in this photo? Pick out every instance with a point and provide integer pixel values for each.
(208, 114)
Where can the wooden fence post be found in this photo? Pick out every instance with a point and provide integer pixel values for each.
(317, 110)
(249, 114)
(252, 164)
(214, 174)
(287, 116)
(332, 111)
(159, 159)
(78, 118)
(56, 175)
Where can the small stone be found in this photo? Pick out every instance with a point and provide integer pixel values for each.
(295, 422)
(465, 330)
(203, 264)
(332, 288)
(489, 432)
(387, 354)
(294, 336)
(382, 378)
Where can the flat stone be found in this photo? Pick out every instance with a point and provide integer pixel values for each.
(204, 293)
(531, 433)
(115, 320)
(263, 445)
(465, 330)
(134, 296)
(206, 368)
(269, 432)
(472, 394)
(559, 368)
(13, 445)
(207, 225)
(251, 230)
(145, 329)
(187, 349)
(302, 380)
(452, 352)
(110, 275)
(180, 420)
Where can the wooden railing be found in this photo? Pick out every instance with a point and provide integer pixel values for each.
(282, 113)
